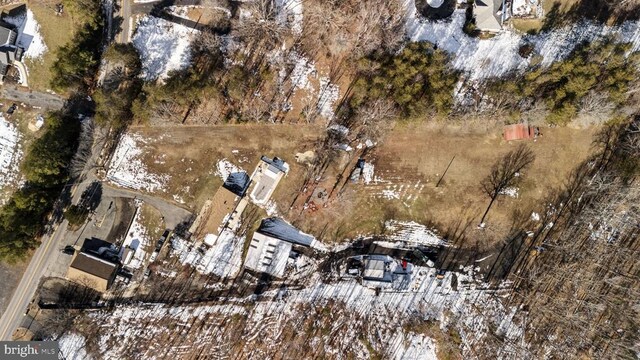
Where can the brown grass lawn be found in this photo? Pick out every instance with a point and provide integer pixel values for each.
(151, 219)
(408, 165)
(56, 31)
(411, 161)
(190, 154)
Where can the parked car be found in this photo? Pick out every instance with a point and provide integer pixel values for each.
(69, 250)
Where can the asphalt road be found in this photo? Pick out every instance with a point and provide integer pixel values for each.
(173, 214)
(12, 317)
(44, 100)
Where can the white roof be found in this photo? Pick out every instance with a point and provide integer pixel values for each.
(485, 13)
(267, 255)
(374, 269)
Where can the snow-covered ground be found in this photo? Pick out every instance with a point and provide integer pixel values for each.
(28, 34)
(163, 46)
(10, 152)
(224, 258)
(72, 347)
(137, 238)
(497, 56)
(224, 168)
(511, 192)
(304, 76)
(410, 233)
(289, 13)
(457, 301)
(127, 169)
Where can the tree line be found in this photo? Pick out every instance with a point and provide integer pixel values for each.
(46, 167)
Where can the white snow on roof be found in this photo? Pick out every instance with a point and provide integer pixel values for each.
(126, 168)
(497, 56)
(29, 36)
(411, 233)
(164, 46)
(10, 152)
(224, 258)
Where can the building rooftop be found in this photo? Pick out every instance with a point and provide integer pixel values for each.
(276, 164)
(237, 183)
(94, 265)
(222, 204)
(267, 255)
(280, 229)
(7, 34)
(486, 15)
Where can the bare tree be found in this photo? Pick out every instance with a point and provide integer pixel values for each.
(506, 173)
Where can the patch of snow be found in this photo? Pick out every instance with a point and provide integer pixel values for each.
(224, 168)
(416, 346)
(10, 153)
(367, 172)
(29, 36)
(390, 194)
(510, 191)
(473, 308)
(223, 258)
(302, 69)
(163, 46)
(329, 94)
(522, 7)
(137, 238)
(72, 347)
(126, 168)
(289, 12)
(412, 233)
(271, 208)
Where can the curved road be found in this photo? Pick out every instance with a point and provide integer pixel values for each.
(49, 247)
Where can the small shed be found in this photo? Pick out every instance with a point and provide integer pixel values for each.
(520, 132)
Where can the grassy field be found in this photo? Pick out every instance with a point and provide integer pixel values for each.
(56, 31)
(413, 158)
(407, 167)
(190, 154)
(151, 219)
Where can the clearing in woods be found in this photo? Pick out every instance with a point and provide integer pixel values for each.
(407, 166)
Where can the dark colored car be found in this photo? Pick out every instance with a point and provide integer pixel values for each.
(69, 250)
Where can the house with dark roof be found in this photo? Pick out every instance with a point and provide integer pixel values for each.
(95, 265)
(9, 52)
